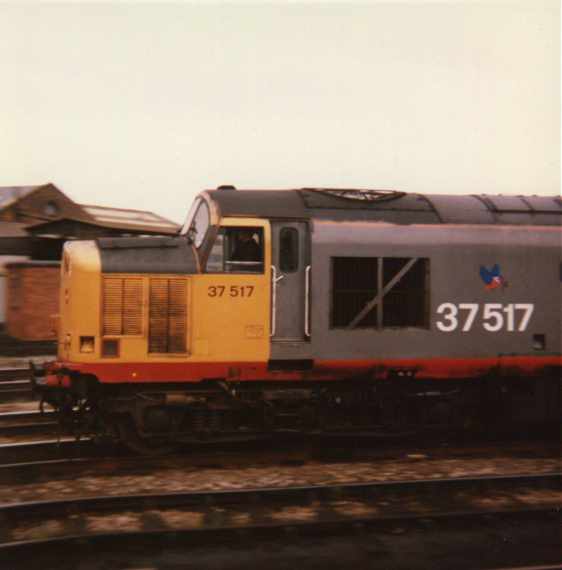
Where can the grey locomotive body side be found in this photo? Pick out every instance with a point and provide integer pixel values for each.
(529, 261)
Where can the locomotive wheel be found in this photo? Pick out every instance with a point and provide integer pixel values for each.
(129, 435)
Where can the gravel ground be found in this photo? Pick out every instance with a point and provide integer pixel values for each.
(389, 504)
(182, 476)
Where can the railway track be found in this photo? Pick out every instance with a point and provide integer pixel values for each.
(32, 439)
(15, 391)
(8, 374)
(22, 423)
(212, 517)
(287, 449)
(45, 451)
(15, 385)
(16, 419)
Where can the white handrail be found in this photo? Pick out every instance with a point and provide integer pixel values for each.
(307, 301)
(273, 300)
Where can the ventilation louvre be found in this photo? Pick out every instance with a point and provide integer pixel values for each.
(122, 306)
(167, 316)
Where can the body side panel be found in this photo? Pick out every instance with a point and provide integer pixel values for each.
(529, 259)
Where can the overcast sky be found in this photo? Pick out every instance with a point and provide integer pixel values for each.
(144, 105)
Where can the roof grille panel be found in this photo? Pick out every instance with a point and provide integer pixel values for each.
(360, 195)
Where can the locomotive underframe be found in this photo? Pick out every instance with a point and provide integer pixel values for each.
(151, 419)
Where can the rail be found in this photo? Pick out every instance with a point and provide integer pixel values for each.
(257, 510)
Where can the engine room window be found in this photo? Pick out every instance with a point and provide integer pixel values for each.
(354, 283)
(405, 303)
(377, 292)
(237, 250)
(289, 250)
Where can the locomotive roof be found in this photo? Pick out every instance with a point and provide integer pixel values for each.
(388, 206)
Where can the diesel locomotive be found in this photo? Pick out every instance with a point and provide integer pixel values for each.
(313, 309)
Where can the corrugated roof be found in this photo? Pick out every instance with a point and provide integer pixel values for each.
(126, 218)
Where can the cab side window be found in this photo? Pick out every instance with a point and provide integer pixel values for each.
(237, 250)
(288, 250)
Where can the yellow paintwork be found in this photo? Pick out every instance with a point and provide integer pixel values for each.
(229, 328)
(79, 299)
(221, 328)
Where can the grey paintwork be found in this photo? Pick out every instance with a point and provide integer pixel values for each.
(529, 258)
(458, 234)
(289, 338)
(399, 208)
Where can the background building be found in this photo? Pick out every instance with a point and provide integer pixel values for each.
(35, 221)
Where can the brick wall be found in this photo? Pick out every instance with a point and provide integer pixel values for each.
(32, 300)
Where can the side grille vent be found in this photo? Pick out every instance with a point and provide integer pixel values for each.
(167, 315)
(122, 306)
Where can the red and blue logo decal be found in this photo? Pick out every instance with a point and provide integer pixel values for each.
(493, 277)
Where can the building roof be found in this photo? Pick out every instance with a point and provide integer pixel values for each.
(69, 228)
(133, 219)
(11, 194)
(43, 206)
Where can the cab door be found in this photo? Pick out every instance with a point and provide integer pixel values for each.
(290, 287)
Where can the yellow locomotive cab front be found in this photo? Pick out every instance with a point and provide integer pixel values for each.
(135, 326)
